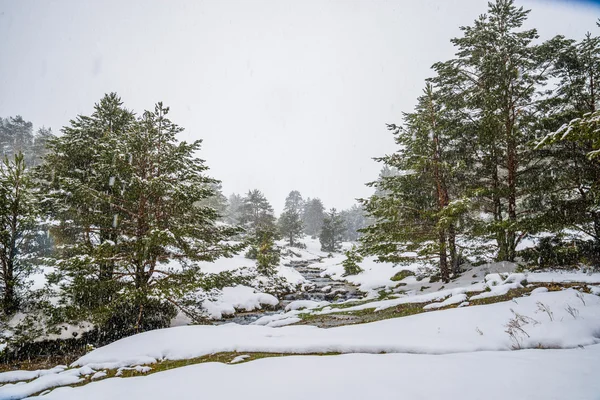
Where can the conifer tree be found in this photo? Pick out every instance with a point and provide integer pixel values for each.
(332, 231)
(417, 208)
(573, 143)
(354, 220)
(149, 189)
(19, 212)
(294, 202)
(217, 201)
(16, 136)
(256, 212)
(312, 216)
(234, 209)
(494, 82)
(290, 223)
(267, 254)
(351, 261)
(78, 173)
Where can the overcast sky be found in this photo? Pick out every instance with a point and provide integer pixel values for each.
(285, 94)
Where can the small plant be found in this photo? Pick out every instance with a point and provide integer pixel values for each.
(514, 328)
(580, 297)
(401, 275)
(350, 264)
(544, 308)
(573, 312)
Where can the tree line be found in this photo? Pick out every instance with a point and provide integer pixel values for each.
(502, 145)
(110, 204)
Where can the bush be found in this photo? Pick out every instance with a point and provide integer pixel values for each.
(400, 275)
(129, 318)
(350, 264)
(553, 252)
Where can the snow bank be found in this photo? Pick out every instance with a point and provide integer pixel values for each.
(564, 277)
(305, 304)
(47, 381)
(456, 299)
(238, 298)
(447, 331)
(15, 376)
(375, 275)
(527, 374)
(499, 286)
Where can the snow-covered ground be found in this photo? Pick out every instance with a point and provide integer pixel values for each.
(527, 374)
(549, 320)
(463, 352)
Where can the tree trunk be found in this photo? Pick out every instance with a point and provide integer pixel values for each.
(454, 261)
(443, 257)
(497, 205)
(596, 262)
(441, 191)
(9, 300)
(511, 153)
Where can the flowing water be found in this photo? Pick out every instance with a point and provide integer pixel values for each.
(318, 288)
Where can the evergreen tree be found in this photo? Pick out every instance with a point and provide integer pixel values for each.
(354, 220)
(494, 82)
(234, 209)
(294, 202)
(332, 231)
(573, 118)
(78, 173)
(414, 209)
(40, 145)
(267, 254)
(290, 223)
(351, 261)
(18, 230)
(256, 212)
(152, 188)
(259, 223)
(312, 216)
(16, 136)
(217, 201)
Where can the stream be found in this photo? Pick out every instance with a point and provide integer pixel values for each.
(318, 288)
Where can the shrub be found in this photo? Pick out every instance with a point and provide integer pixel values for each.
(400, 275)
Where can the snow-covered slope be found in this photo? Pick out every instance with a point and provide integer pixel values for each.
(454, 330)
(527, 374)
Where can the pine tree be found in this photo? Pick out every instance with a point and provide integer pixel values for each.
(267, 254)
(294, 202)
(234, 209)
(40, 145)
(217, 201)
(312, 216)
(417, 208)
(573, 117)
(332, 231)
(77, 174)
(16, 136)
(290, 223)
(151, 188)
(494, 82)
(354, 220)
(256, 212)
(18, 230)
(258, 222)
(351, 261)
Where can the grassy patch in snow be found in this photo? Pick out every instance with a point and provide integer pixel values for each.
(341, 317)
(42, 362)
(165, 365)
(401, 275)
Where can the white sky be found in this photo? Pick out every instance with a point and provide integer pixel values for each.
(286, 94)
